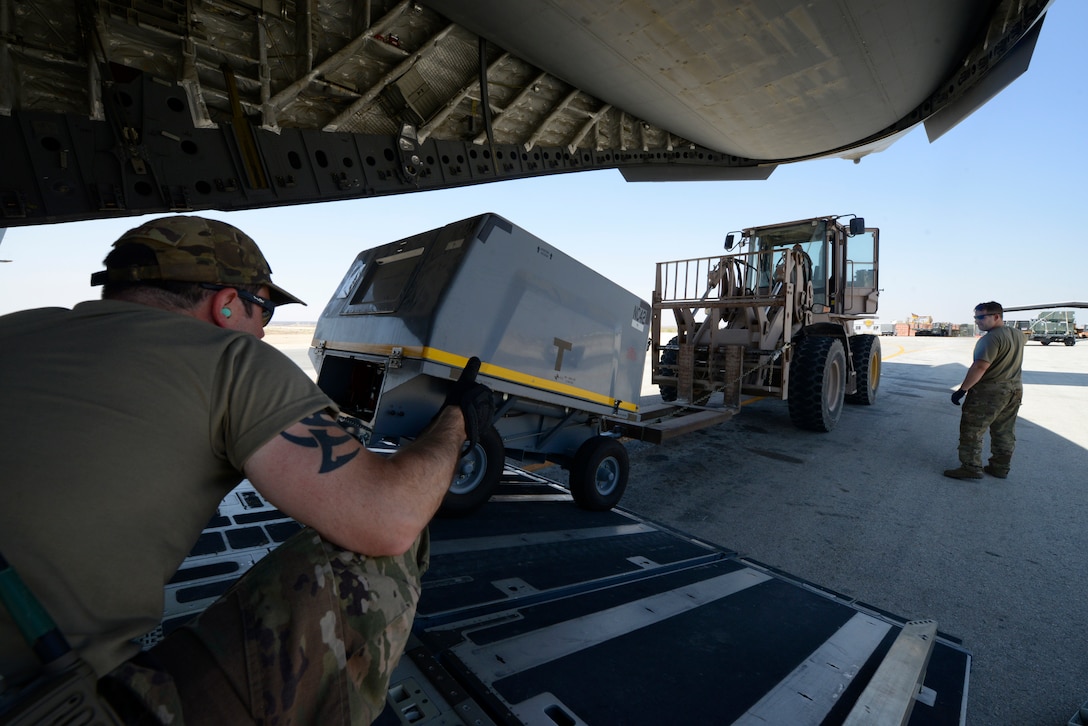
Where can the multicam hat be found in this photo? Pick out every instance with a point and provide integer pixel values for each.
(195, 249)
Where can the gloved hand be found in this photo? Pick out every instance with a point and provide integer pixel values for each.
(957, 396)
(475, 401)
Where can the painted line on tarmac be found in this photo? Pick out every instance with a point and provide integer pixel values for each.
(901, 351)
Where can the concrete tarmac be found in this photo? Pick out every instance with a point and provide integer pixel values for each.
(864, 511)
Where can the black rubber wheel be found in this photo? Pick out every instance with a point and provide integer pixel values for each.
(865, 350)
(1070, 341)
(669, 356)
(817, 383)
(1045, 341)
(476, 476)
(598, 474)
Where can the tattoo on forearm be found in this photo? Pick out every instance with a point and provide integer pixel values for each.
(326, 435)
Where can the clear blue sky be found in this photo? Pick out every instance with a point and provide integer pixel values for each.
(989, 211)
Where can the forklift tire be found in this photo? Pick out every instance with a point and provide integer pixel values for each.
(598, 474)
(817, 383)
(476, 476)
(865, 350)
(669, 357)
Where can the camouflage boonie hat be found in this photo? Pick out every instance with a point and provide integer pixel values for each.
(195, 249)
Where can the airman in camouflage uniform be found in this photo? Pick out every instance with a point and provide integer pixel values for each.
(183, 401)
(993, 391)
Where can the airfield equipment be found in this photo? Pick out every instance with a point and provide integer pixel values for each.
(1055, 326)
(562, 347)
(775, 319)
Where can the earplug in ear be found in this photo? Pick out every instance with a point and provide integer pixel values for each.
(226, 312)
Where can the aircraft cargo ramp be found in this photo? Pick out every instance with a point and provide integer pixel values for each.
(535, 611)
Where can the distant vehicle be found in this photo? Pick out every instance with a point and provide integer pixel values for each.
(1048, 338)
(939, 330)
(1055, 326)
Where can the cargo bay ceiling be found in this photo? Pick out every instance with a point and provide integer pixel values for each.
(123, 107)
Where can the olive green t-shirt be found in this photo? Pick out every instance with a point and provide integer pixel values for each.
(121, 428)
(1003, 348)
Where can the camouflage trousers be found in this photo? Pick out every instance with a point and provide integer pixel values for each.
(310, 635)
(993, 407)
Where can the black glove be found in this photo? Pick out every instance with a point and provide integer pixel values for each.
(957, 396)
(475, 401)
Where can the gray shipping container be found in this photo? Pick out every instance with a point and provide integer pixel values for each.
(561, 345)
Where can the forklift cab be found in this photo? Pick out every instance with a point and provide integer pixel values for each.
(842, 261)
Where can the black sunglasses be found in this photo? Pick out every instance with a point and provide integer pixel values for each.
(267, 306)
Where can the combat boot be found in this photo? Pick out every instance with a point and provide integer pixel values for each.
(994, 471)
(963, 473)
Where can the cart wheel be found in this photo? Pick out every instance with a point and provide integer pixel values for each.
(598, 474)
(476, 475)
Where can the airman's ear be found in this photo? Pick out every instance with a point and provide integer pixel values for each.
(221, 307)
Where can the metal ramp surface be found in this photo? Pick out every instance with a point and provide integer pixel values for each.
(537, 612)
